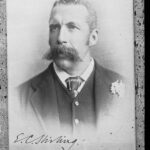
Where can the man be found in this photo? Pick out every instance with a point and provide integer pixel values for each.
(74, 92)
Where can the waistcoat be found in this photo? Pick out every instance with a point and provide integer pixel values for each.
(75, 113)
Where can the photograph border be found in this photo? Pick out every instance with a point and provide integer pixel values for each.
(139, 54)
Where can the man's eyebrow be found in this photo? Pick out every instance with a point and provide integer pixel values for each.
(73, 23)
(54, 24)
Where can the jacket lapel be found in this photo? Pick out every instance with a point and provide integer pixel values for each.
(102, 92)
(44, 101)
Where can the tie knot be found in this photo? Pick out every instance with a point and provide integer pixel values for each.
(73, 83)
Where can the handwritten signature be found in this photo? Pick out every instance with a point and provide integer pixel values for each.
(43, 139)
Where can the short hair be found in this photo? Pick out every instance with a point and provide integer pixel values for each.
(92, 17)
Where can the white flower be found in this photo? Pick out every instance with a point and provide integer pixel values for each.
(118, 88)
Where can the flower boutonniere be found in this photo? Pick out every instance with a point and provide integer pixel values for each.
(118, 88)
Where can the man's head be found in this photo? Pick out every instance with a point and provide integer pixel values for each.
(72, 31)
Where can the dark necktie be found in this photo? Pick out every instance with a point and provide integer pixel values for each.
(73, 84)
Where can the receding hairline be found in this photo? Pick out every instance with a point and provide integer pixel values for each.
(92, 14)
(69, 6)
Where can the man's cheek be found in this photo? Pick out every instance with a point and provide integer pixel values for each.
(53, 37)
(52, 42)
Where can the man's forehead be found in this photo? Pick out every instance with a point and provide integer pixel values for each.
(69, 13)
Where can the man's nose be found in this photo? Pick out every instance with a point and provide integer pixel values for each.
(62, 36)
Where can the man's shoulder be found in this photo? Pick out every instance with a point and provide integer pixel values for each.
(107, 75)
(112, 83)
(37, 80)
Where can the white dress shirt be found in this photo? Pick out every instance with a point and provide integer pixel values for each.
(62, 75)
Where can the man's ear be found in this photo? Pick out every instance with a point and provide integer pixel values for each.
(93, 37)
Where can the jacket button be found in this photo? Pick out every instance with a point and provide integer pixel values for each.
(76, 103)
(76, 121)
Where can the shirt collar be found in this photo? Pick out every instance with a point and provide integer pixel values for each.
(63, 75)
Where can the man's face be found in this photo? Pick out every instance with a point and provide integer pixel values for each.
(69, 34)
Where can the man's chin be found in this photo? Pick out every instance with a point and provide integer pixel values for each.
(64, 64)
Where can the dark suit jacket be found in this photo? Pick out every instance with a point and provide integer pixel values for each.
(38, 96)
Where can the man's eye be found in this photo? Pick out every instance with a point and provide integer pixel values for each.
(53, 27)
